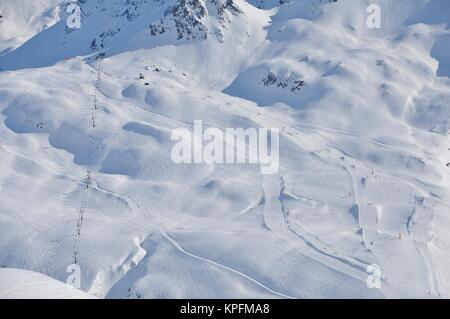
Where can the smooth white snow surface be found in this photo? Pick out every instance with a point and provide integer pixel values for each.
(18, 283)
(364, 116)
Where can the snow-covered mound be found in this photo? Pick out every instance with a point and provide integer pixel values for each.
(24, 284)
(87, 117)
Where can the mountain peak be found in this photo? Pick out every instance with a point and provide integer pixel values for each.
(187, 17)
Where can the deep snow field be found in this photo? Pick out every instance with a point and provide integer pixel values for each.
(364, 116)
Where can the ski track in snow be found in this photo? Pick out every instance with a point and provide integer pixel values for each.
(178, 246)
(275, 217)
(324, 145)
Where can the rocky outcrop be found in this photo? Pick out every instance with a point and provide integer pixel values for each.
(186, 17)
(294, 84)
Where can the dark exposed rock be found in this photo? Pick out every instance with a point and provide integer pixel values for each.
(273, 80)
(99, 42)
(186, 17)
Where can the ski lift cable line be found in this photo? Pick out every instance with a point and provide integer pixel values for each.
(90, 161)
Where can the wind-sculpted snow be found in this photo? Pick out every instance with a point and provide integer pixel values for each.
(364, 149)
(20, 21)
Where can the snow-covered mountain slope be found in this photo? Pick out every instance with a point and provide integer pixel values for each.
(268, 4)
(364, 118)
(24, 284)
(22, 19)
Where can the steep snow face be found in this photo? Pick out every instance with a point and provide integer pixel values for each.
(363, 177)
(203, 55)
(295, 66)
(111, 24)
(436, 12)
(102, 23)
(284, 65)
(22, 19)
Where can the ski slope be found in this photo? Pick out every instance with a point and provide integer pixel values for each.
(364, 120)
